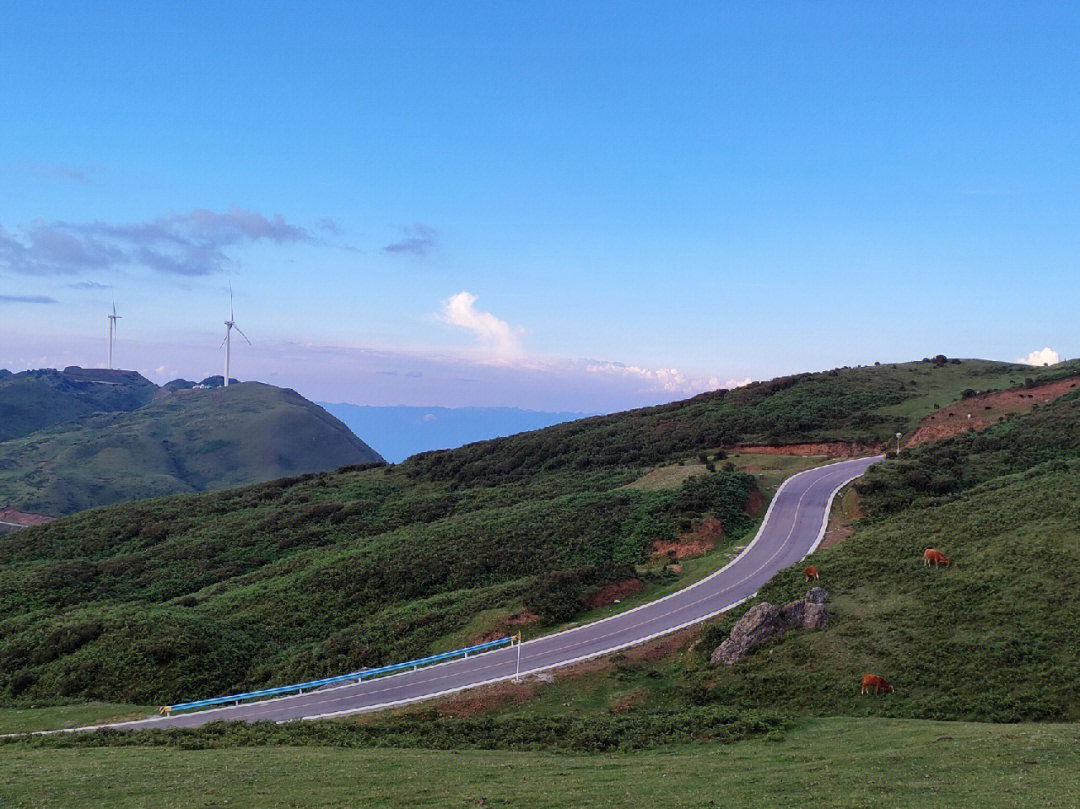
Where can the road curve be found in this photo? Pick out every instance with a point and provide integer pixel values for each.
(792, 528)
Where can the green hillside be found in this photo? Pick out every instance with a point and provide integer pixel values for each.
(865, 405)
(173, 442)
(313, 575)
(34, 400)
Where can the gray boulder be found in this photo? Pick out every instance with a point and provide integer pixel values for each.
(764, 622)
(808, 612)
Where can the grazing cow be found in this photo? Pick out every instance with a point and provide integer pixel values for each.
(935, 557)
(810, 573)
(879, 684)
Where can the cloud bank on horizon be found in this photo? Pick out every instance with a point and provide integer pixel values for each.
(1045, 356)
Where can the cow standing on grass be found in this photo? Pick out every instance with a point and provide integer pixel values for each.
(935, 557)
(810, 573)
(879, 684)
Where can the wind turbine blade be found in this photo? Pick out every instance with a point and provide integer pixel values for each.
(223, 340)
(243, 335)
(232, 313)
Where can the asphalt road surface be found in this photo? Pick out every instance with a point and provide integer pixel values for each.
(792, 529)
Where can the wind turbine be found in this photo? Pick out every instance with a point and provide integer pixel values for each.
(112, 331)
(230, 324)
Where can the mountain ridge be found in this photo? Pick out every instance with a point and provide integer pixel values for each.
(85, 438)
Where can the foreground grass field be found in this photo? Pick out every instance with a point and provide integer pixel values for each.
(825, 762)
(55, 717)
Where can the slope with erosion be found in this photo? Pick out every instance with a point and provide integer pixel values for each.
(180, 442)
(305, 577)
(978, 411)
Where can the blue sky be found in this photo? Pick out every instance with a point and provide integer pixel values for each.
(556, 206)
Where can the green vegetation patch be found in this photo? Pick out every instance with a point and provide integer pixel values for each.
(990, 638)
(834, 762)
(312, 576)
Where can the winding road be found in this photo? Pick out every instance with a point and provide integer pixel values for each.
(792, 529)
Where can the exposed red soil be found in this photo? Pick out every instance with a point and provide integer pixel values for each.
(662, 648)
(486, 699)
(840, 527)
(836, 534)
(675, 568)
(979, 412)
(505, 627)
(523, 618)
(702, 538)
(494, 634)
(614, 592)
(8, 514)
(834, 449)
(754, 503)
(589, 667)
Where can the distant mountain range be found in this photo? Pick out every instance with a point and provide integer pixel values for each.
(79, 438)
(398, 432)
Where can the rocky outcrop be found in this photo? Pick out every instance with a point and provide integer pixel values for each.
(764, 622)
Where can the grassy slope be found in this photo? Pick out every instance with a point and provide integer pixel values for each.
(835, 762)
(864, 405)
(183, 442)
(304, 577)
(35, 400)
(296, 580)
(991, 638)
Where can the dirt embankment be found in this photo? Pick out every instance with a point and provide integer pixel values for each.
(614, 592)
(980, 412)
(487, 698)
(8, 514)
(755, 502)
(506, 627)
(702, 538)
(833, 449)
(846, 510)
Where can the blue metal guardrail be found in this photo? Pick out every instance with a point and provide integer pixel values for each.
(236, 699)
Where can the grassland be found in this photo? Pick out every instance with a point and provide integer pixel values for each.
(57, 717)
(320, 574)
(828, 762)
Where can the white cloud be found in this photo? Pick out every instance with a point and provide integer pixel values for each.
(1045, 357)
(669, 380)
(503, 339)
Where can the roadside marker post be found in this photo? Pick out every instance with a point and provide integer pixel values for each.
(517, 665)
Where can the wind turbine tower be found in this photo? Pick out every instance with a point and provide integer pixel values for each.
(112, 332)
(230, 324)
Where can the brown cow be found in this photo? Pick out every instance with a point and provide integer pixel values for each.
(879, 684)
(810, 573)
(935, 557)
